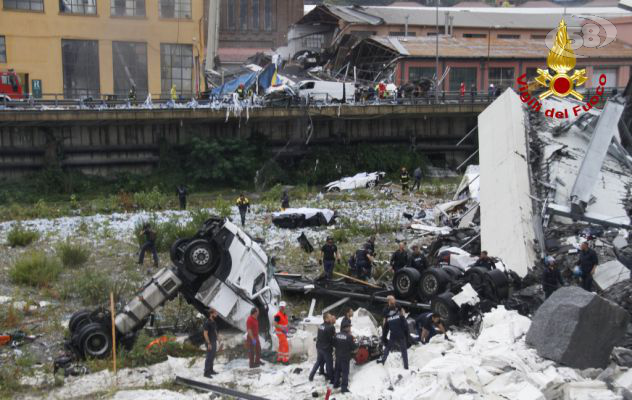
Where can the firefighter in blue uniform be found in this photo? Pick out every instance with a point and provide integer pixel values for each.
(324, 348)
(343, 343)
(395, 323)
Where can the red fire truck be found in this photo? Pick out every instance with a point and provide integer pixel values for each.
(10, 87)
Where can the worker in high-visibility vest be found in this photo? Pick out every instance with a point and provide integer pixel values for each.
(174, 93)
(281, 330)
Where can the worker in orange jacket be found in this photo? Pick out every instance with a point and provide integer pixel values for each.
(281, 330)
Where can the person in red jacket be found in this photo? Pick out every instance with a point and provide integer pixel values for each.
(281, 330)
(252, 339)
(462, 90)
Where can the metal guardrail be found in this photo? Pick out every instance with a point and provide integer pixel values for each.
(106, 101)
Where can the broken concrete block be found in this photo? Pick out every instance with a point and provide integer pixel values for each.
(609, 273)
(577, 328)
(588, 390)
(624, 381)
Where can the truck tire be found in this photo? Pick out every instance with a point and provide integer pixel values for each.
(432, 282)
(78, 320)
(443, 305)
(454, 272)
(498, 283)
(94, 341)
(405, 282)
(371, 184)
(476, 276)
(201, 257)
(176, 252)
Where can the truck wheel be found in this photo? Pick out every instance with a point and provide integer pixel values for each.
(433, 281)
(334, 189)
(405, 282)
(201, 257)
(177, 252)
(370, 184)
(498, 283)
(78, 320)
(476, 276)
(95, 341)
(443, 305)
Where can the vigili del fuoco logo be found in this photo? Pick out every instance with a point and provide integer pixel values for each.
(560, 79)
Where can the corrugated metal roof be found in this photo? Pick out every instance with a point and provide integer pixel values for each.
(450, 47)
(512, 18)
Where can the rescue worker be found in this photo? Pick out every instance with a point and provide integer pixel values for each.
(252, 339)
(418, 259)
(181, 192)
(404, 179)
(551, 277)
(429, 324)
(363, 262)
(484, 261)
(149, 245)
(285, 201)
(281, 330)
(329, 255)
(417, 174)
(395, 324)
(240, 91)
(371, 243)
(462, 90)
(243, 204)
(210, 337)
(343, 343)
(347, 318)
(588, 261)
(131, 96)
(400, 258)
(324, 349)
(174, 93)
(473, 92)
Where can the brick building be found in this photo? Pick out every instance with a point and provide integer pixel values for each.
(250, 26)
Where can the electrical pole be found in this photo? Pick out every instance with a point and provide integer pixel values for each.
(437, 52)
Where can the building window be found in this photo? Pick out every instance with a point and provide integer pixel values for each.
(82, 7)
(538, 37)
(128, 8)
(80, 61)
(314, 41)
(26, 5)
(501, 36)
(175, 9)
(255, 15)
(231, 14)
(130, 68)
(465, 75)
(176, 66)
(532, 72)
(267, 13)
(434, 33)
(417, 73)
(502, 77)
(610, 73)
(3, 50)
(364, 34)
(243, 15)
(402, 34)
(475, 35)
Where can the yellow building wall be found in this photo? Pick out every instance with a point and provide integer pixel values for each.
(33, 40)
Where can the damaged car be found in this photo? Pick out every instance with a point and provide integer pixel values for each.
(220, 267)
(293, 218)
(361, 180)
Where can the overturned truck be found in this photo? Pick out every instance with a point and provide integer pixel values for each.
(220, 267)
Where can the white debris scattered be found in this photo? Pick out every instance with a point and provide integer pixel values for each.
(308, 212)
(467, 296)
(609, 273)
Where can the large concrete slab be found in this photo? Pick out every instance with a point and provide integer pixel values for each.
(506, 208)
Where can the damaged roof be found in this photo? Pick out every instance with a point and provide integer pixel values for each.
(452, 47)
(523, 18)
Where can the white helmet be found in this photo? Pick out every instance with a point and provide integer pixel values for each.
(282, 304)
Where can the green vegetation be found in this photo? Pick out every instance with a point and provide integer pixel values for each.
(72, 255)
(14, 367)
(20, 236)
(169, 231)
(36, 269)
(138, 356)
(348, 229)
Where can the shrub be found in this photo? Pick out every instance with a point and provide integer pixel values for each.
(152, 200)
(20, 236)
(90, 286)
(35, 269)
(222, 207)
(72, 255)
(166, 232)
